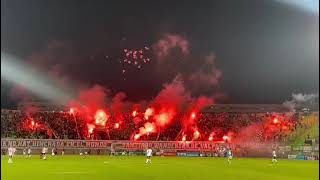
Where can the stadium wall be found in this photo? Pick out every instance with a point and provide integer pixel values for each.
(167, 148)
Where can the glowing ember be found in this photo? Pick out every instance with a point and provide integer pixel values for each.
(284, 128)
(137, 136)
(90, 128)
(116, 125)
(134, 113)
(101, 117)
(90, 131)
(197, 133)
(149, 127)
(163, 118)
(193, 115)
(149, 112)
(225, 138)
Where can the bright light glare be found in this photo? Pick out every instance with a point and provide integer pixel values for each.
(311, 6)
(23, 75)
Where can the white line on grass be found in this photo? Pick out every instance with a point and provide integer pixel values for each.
(71, 172)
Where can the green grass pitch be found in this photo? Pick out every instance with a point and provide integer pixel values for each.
(162, 168)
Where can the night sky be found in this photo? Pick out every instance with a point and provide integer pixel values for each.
(265, 50)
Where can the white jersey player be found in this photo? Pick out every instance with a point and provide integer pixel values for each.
(11, 152)
(53, 152)
(149, 154)
(29, 152)
(43, 153)
(229, 155)
(274, 157)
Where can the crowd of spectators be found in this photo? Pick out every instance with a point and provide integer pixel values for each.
(66, 125)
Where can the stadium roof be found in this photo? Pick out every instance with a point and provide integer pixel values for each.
(245, 108)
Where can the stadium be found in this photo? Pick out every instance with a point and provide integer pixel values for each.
(251, 131)
(160, 90)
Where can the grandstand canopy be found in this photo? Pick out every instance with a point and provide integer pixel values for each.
(245, 108)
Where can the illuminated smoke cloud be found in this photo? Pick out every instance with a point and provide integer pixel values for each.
(118, 105)
(169, 101)
(37, 82)
(173, 94)
(52, 61)
(207, 76)
(55, 60)
(176, 97)
(168, 42)
(253, 133)
(20, 94)
(94, 97)
(302, 100)
(90, 100)
(189, 122)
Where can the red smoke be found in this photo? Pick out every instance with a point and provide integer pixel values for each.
(89, 101)
(170, 101)
(118, 105)
(190, 118)
(94, 97)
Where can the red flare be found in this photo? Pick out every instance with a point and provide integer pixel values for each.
(137, 136)
(225, 138)
(193, 115)
(134, 113)
(101, 117)
(197, 133)
(149, 127)
(116, 125)
(71, 111)
(149, 112)
(90, 128)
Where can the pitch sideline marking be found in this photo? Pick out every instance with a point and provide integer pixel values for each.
(71, 172)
